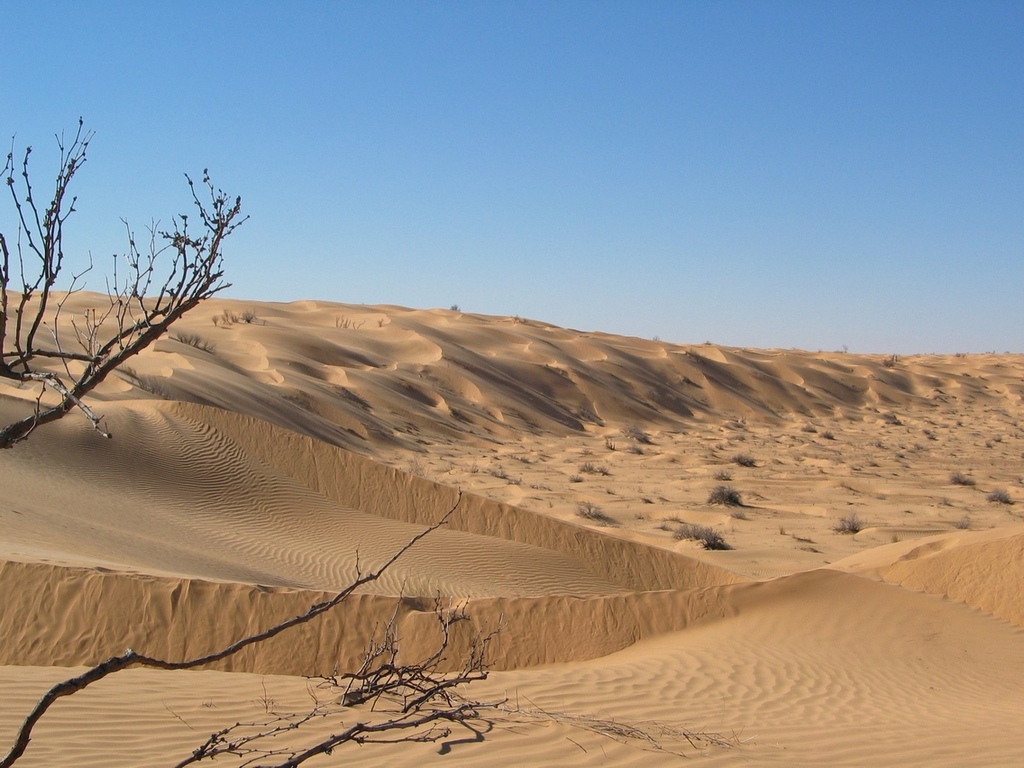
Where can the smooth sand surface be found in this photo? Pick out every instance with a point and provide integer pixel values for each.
(248, 480)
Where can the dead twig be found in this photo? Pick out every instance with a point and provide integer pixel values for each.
(131, 658)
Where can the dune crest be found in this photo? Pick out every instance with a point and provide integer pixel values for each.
(866, 595)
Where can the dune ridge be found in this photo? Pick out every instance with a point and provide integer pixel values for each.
(251, 478)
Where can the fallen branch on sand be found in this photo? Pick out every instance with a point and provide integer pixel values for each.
(131, 658)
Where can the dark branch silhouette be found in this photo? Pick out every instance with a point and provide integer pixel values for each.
(153, 288)
(131, 658)
(384, 700)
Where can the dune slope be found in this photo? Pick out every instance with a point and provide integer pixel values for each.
(255, 476)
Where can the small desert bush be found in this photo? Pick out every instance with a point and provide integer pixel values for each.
(999, 496)
(575, 478)
(959, 478)
(636, 449)
(197, 341)
(609, 444)
(963, 524)
(828, 435)
(705, 535)
(849, 523)
(344, 323)
(501, 474)
(744, 460)
(228, 317)
(724, 475)
(808, 428)
(588, 510)
(727, 495)
(634, 432)
(154, 385)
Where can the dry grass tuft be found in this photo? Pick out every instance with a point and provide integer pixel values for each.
(705, 535)
(588, 510)
(727, 495)
(849, 523)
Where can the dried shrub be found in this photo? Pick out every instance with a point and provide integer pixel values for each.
(633, 432)
(724, 475)
(197, 341)
(849, 523)
(726, 495)
(705, 535)
(999, 496)
(959, 478)
(588, 510)
(744, 460)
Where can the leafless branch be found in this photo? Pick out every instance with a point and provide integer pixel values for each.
(131, 658)
(150, 289)
(385, 700)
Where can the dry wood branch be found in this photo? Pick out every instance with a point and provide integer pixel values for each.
(153, 288)
(131, 658)
(389, 700)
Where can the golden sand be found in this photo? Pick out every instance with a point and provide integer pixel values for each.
(244, 483)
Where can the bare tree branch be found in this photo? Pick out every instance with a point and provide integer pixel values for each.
(131, 658)
(389, 699)
(178, 269)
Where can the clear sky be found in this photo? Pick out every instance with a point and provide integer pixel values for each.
(771, 174)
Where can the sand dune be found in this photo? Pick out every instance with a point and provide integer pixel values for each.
(247, 480)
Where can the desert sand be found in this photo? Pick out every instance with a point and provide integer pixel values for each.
(256, 466)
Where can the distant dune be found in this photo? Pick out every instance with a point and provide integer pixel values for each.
(254, 470)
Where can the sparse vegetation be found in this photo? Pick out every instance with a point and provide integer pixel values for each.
(633, 432)
(999, 496)
(705, 535)
(609, 444)
(849, 523)
(588, 510)
(963, 524)
(726, 495)
(959, 478)
(501, 474)
(635, 449)
(197, 341)
(744, 460)
(154, 287)
(723, 475)
(575, 478)
(828, 435)
(228, 318)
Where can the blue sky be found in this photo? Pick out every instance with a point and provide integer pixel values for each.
(802, 174)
